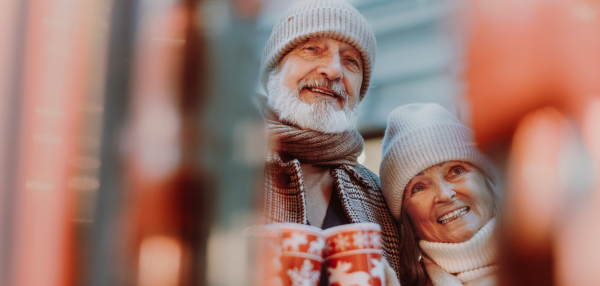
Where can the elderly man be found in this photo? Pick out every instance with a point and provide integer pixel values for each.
(316, 69)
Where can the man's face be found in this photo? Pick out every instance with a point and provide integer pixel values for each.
(325, 58)
(317, 85)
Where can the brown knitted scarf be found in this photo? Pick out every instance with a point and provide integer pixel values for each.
(314, 147)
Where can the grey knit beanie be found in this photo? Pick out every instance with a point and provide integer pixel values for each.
(320, 18)
(417, 137)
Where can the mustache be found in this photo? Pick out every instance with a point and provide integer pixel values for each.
(324, 82)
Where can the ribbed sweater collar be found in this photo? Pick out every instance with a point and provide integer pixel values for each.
(467, 260)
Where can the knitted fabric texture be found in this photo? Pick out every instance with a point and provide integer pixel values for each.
(468, 260)
(320, 18)
(417, 137)
(314, 147)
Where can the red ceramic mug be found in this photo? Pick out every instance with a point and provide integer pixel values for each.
(353, 255)
(302, 254)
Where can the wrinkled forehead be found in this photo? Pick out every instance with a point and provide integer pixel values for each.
(440, 168)
(423, 172)
(344, 47)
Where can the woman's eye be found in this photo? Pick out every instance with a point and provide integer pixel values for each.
(417, 188)
(458, 170)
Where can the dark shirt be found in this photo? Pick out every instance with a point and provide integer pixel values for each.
(334, 216)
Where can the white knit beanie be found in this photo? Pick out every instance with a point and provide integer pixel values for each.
(417, 137)
(320, 18)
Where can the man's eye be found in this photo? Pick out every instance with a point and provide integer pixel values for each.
(354, 62)
(311, 49)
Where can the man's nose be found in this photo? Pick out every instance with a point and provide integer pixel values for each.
(331, 67)
(445, 193)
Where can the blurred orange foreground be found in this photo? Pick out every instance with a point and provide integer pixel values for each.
(534, 79)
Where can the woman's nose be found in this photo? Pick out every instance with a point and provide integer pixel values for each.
(331, 67)
(445, 193)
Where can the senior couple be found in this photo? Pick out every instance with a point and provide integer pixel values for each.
(436, 203)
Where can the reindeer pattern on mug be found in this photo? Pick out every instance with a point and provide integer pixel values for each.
(354, 259)
(293, 243)
(316, 246)
(302, 257)
(342, 276)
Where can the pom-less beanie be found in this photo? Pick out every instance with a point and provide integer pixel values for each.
(417, 137)
(320, 18)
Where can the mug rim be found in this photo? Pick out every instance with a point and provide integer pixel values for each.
(351, 227)
(297, 226)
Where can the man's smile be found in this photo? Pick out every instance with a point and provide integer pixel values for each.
(325, 91)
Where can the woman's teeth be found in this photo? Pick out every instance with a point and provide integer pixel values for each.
(453, 215)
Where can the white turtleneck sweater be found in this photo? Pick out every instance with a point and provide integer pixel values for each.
(469, 263)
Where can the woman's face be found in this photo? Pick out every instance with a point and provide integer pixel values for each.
(448, 202)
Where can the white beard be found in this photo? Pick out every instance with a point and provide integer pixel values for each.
(319, 116)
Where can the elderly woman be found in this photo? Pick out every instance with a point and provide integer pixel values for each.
(440, 189)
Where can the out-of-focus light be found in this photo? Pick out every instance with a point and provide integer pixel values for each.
(166, 40)
(362, 157)
(591, 128)
(226, 250)
(56, 24)
(49, 112)
(39, 186)
(80, 220)
(249, 139)
(156, 138)
(583, 12)
(92, 108)
(536, 187)
(47, 138)
(89, 142)
(86, 163)
(160, 261)
(84, 184)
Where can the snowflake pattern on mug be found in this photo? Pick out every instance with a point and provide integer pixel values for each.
(305, 276)
(342, 242)
(361, 239)
(375, 239)
(349, 241)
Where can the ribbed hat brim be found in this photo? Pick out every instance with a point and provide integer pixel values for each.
(320, 18)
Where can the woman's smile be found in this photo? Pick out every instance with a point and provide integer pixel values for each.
(454, 215)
